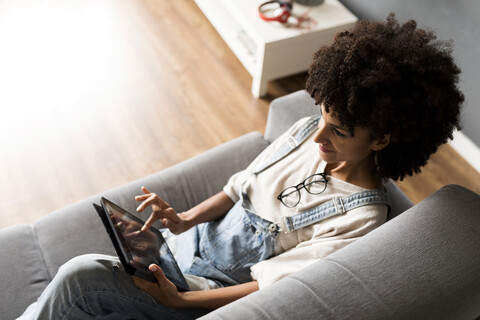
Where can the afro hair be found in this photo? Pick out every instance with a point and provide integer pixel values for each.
(396, 80)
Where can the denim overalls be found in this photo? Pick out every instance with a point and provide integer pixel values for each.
(224, 250)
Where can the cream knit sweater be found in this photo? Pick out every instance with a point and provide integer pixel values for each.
(300, 248)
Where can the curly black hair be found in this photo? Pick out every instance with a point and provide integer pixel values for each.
(395, 79)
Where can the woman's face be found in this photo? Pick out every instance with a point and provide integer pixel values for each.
(337, 145)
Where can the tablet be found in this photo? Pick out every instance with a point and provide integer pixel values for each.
(138, 249)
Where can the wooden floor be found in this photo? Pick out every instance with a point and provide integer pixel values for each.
(96, 93)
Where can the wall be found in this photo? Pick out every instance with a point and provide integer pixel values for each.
(457, 20)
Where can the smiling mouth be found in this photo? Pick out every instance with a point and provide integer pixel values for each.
(323, 149)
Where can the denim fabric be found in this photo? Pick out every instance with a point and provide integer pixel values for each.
(224, 250)
(95, 287)
(334, 207)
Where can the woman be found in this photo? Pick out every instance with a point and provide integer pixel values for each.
(380, 88)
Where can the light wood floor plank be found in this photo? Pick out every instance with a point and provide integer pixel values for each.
(95, 94)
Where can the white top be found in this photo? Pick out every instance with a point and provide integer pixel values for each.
(302, 247)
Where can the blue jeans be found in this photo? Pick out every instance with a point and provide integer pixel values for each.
(95, 287)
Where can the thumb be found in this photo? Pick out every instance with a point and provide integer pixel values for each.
(158, 273)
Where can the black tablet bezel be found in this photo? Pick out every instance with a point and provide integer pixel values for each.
(123, 254)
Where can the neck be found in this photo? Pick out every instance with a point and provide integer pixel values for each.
(361, 174)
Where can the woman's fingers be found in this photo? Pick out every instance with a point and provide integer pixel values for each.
(163, 291)
(155, 201)
(158, 273)
(142, 197)
(151, 199)
(147, 194)
(171, 215)
(160, 209)
(147, 202)
(145, 190)
(150, 221)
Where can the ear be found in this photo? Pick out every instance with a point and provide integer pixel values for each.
(379, 144)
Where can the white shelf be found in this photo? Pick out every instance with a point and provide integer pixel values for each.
(330, 14)
(270, 50)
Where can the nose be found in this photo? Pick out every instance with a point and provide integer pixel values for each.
(320, 134)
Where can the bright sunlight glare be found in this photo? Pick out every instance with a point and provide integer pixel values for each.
(53, 58)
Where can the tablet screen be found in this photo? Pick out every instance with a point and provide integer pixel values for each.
(142, 248)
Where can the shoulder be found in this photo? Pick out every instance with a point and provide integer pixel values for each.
(301, 123)
(281, 140)
(354, 223)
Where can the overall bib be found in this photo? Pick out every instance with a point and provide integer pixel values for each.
(225, 249)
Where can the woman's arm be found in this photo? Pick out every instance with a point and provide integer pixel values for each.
(216, 298)
(166, 293)
(213, 208)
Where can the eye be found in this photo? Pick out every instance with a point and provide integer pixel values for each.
(338, 133)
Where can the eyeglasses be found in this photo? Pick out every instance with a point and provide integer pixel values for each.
(315, 184)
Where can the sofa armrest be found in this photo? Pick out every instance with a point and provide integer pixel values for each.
(421, 265)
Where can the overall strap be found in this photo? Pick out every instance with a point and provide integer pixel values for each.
(291, 144)
(331, 208)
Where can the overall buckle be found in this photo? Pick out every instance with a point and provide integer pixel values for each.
(338, 204)
(292, 142)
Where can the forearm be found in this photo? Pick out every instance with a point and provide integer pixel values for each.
(165, 292)
(215, 298)
(211, 209)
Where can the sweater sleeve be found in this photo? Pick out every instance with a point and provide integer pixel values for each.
(328, 236)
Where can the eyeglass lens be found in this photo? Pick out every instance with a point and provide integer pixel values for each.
(315, 184)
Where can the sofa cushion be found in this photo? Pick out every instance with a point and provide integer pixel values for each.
(70, 232)
(23, 275)
(424, 264)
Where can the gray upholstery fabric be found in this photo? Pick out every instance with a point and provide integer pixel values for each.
(399, 200)
(77, 230)
(287, 110)
(422, 265)
(71, 232)
(23, 276)
(36, 253)
(416, 254)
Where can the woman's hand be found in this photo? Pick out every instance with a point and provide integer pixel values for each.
(162, 211)
(166, 293)
(163, 291)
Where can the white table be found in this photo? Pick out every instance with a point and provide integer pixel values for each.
(271, 50)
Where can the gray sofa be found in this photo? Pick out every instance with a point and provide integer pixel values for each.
(424, 263)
